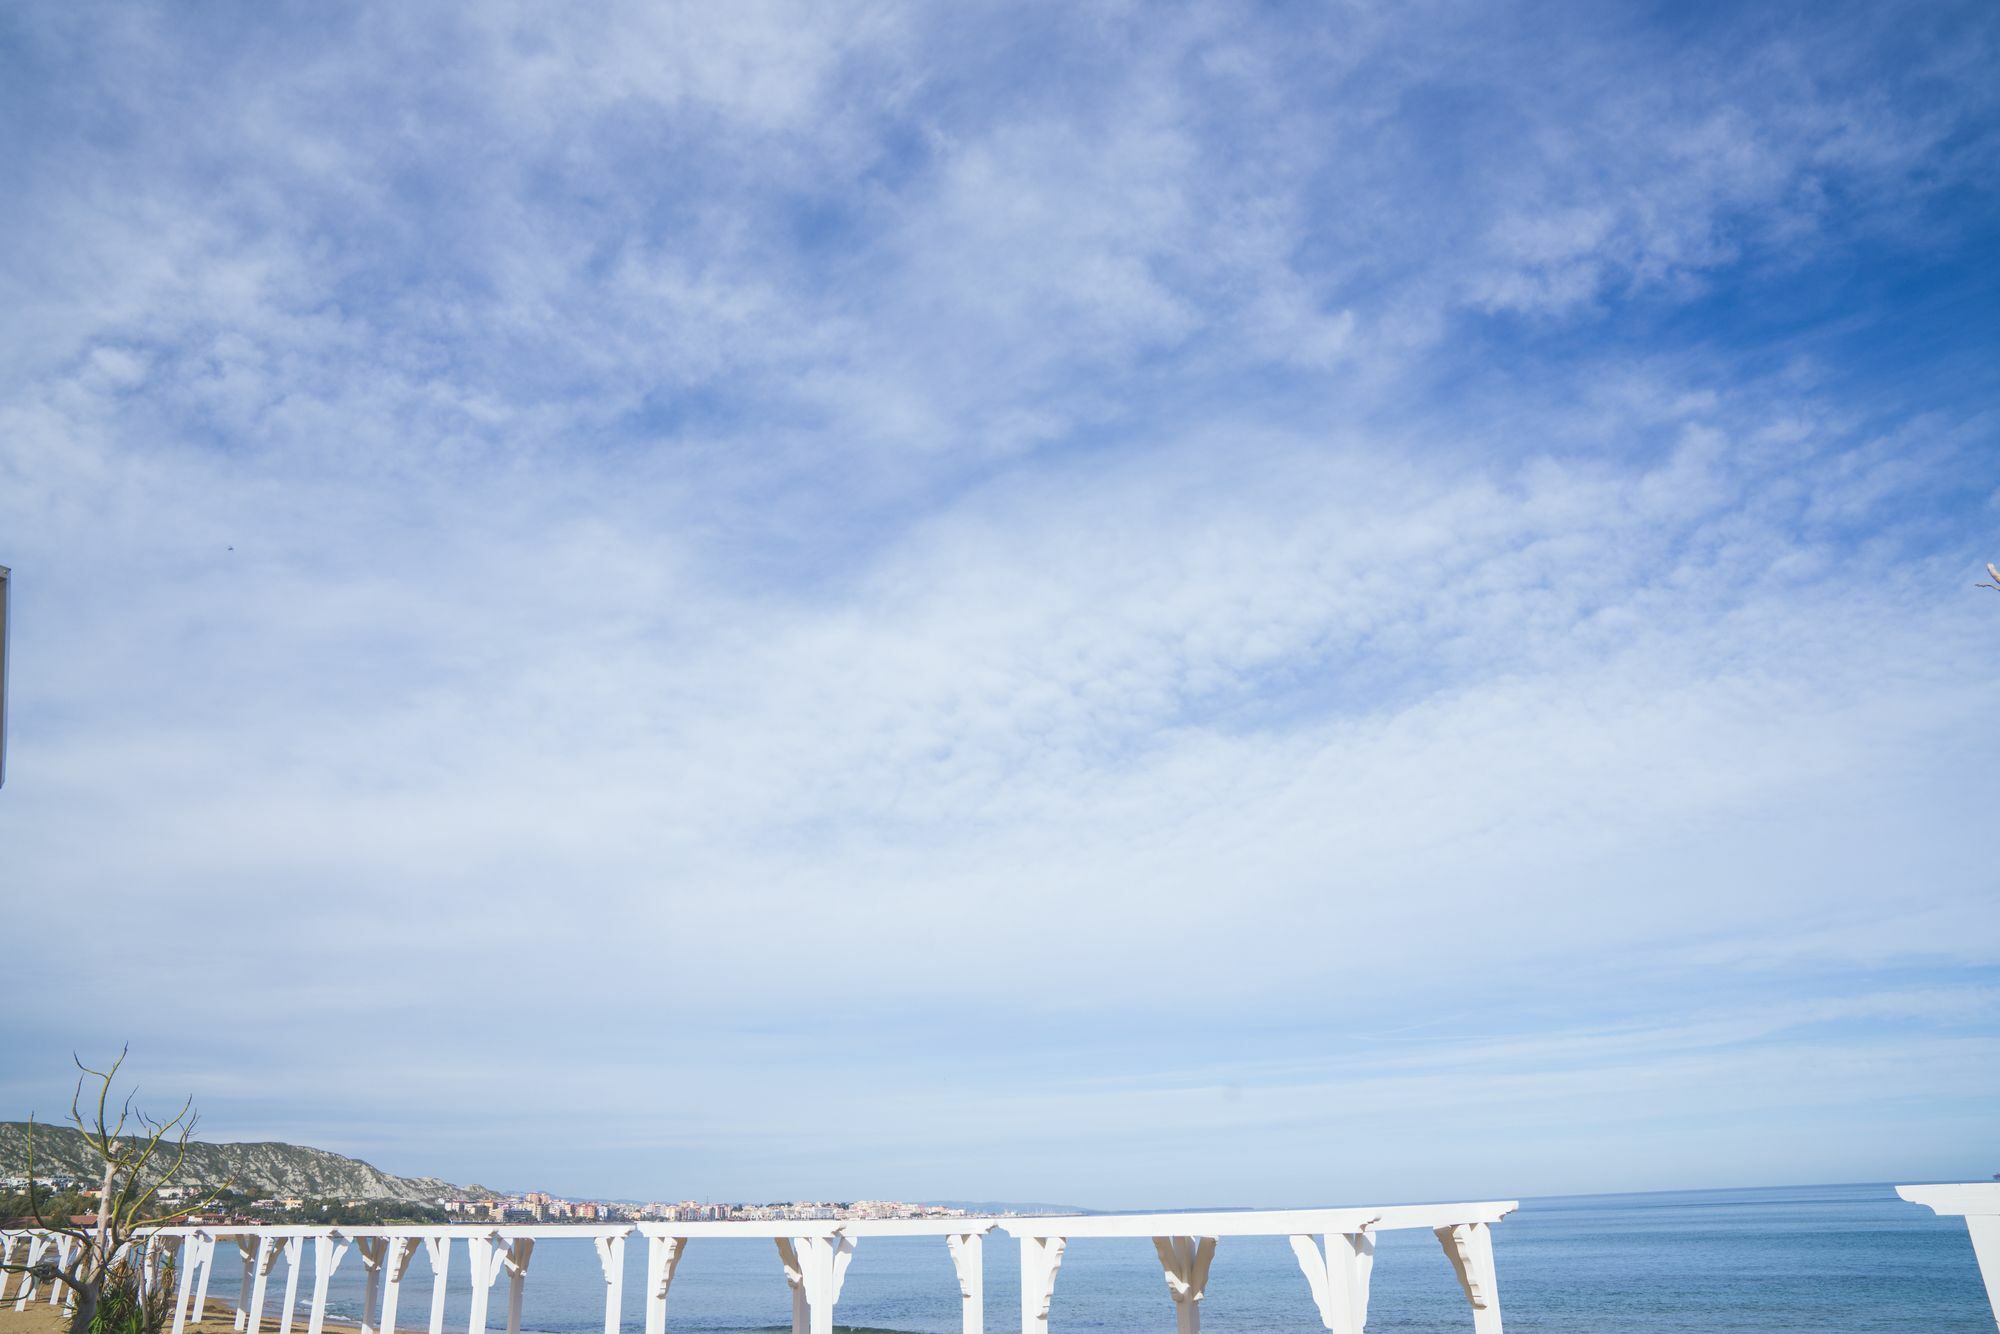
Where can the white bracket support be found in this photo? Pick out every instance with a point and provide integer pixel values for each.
(968, 1261)
(438, 1250)
(1339, 1277)
(663, 1257)
(610, 1258)
(816, 1270)
(1469, 1247)
(1041, 1257)
(329, 1248)
(1185, 1261)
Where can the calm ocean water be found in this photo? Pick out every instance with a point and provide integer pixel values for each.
(1822, 1258)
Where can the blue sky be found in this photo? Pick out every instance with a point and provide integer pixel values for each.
(1136, 605)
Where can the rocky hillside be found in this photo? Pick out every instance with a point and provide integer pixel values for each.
(257, 1169)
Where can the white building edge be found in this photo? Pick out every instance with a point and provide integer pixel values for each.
(1335, 1248)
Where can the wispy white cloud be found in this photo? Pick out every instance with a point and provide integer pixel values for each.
(794, 532)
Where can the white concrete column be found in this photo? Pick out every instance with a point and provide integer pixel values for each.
(1978, 1203)
(38, 1246)
(485, 1269)
(195, 1249)
(795, 1280)
(61, 1293)
(183, 1283)
(1041, 1257)
(328, 1249)
(208, 1244)
(515, 1259)
(394, 1265)
(1985, 1230)
(1469, 1247)
(968, 1261)
(438, 1249)
(373, 1251)
(816, 1267)
(246, 1247)
(663, 1257)
(268, 1249)
(611, 1259)
(1339, 1277)
(1185, 1261)
(295, 1247)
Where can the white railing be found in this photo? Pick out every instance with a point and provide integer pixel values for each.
(1978, 1203)
(1335, 1247)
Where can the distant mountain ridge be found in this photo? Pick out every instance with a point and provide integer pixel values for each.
(256, 1169)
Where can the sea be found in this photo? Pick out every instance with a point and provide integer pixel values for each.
(1852, 1259)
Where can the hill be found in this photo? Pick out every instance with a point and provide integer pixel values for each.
(256, 1169)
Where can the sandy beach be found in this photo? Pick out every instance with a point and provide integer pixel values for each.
(41, 1318)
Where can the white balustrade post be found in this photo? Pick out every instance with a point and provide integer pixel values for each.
(611, 1258)
(395, 1265)
(663, 1257)
(1469, 1247)
(294, 1248)
(438, 1249)
(1041, 1257)
(968, 1261)
(328, 1249)
(1186, 1261)
(1339, 1277)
